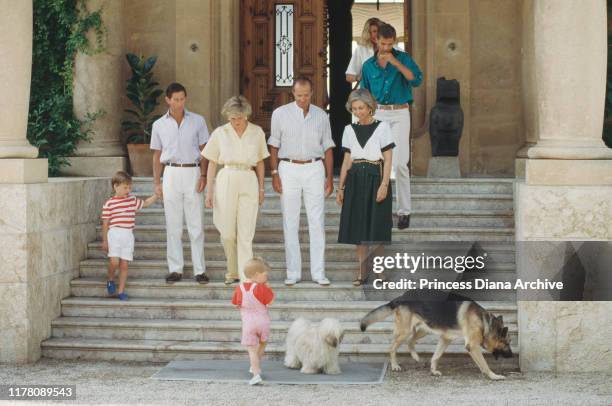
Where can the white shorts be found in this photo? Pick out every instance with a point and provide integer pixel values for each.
(121, 243)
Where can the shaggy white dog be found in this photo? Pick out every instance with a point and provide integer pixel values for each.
(313, 347)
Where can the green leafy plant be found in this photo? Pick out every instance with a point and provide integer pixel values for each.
(60, 31)
(142, 91)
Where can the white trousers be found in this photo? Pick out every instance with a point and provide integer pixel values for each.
(399, 121)
(181, 199)
(308, 179)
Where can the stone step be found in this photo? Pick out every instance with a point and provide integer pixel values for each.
(271, 234)
(335, 271)
(419, 218)
(417, 185)
(433, 201)
(497, 252)
(165, 351)
(190, 289)
(211, 330)
(195, 309)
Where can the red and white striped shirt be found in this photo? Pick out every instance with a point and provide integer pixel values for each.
(121, 211)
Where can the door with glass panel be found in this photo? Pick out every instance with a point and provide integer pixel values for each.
(280, 41)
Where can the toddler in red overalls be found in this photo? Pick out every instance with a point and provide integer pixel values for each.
(253, 297)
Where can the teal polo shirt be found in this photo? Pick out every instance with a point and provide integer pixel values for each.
(388, 85)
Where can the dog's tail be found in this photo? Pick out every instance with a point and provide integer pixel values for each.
(376, 315)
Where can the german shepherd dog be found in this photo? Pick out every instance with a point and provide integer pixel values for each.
(455, 317)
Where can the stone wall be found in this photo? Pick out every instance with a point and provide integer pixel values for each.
(479, 44)
(44, 231)
(197, 45)
(553, 213)
(150, 29)
(563, 336)
(495, 78)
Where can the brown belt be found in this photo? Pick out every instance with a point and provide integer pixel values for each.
(297, 161)
(393, 106)
(182, 165)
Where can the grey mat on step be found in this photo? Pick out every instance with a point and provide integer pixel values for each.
(273, 372)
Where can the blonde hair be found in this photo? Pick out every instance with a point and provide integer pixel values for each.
(365, 34)
(120, 178)
(254, 266)
(237, 106)
(362, 95)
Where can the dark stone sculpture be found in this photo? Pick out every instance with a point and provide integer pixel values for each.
(446, 119)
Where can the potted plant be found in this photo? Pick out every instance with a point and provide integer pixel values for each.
(142, 91)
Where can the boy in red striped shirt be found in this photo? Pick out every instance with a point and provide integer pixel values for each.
(118, 219)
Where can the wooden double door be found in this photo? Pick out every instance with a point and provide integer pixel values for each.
(280, 41)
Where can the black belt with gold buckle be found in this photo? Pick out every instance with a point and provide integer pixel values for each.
(182, 165)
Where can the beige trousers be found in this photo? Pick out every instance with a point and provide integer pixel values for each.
(235, 216)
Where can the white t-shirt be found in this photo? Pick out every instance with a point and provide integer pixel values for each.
(381, 140)
(360, 55)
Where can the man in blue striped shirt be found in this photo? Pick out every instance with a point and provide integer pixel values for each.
(390, 76)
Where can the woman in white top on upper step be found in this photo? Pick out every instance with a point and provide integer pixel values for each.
(365, 49)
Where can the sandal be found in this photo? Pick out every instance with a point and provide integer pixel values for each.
(358, 282)
(230, 281)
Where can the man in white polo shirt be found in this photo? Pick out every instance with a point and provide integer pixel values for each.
(301, 139)
(177, 139)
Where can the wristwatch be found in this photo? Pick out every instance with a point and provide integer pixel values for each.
(274, 171)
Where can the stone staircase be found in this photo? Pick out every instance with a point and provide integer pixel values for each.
(186, 320)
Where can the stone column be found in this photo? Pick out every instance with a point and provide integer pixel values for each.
(227, 66)
(528, 87)
(17, 156)
(567, 187)
(99, 86)
(569, 66)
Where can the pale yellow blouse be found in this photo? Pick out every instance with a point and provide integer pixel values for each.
(225, 147)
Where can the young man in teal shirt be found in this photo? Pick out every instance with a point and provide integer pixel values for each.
(390, 76)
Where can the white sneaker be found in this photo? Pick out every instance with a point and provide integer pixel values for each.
(256, 380)
(290, 282)
(323, 281)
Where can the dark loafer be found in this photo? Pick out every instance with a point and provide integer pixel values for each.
(202, 278)
(174, 277)
(403, 222)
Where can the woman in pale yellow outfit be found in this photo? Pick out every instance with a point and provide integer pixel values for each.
(237, 192)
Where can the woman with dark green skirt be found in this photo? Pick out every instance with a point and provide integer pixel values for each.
(365, 192)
